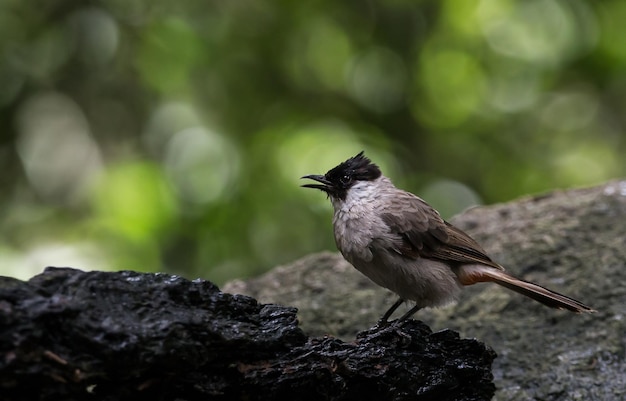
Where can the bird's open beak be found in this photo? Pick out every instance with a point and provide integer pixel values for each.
(326, 185)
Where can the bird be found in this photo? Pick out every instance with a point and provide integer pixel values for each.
(402, 243)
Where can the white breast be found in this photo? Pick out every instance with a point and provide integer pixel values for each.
(357, 219)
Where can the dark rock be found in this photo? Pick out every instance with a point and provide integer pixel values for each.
(67, 334)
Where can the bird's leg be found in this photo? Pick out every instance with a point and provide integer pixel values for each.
(407, 315)
(387, 315)
(383, 326)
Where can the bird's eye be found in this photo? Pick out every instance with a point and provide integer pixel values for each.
(346, 179)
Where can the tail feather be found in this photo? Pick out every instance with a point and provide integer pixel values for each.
(471, 274)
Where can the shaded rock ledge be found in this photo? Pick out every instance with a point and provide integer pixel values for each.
(74, 335)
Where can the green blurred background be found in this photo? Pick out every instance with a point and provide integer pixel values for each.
(170, 136)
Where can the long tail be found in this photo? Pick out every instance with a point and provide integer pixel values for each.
(471, 274)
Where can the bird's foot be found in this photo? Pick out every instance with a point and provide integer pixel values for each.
(384, 328)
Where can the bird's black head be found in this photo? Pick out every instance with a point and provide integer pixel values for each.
(338, 180)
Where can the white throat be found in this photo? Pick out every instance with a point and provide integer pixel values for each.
(363, 194)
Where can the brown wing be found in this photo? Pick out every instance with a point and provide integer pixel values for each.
(425, 234)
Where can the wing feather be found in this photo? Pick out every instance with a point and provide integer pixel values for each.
(424, 234)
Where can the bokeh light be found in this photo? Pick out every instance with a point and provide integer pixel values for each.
(55, 147)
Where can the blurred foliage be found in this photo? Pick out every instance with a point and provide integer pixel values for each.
(158, 135)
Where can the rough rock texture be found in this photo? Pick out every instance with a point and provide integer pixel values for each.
(571, 241)
(72, 335)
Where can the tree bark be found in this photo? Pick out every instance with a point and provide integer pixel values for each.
(68, 334)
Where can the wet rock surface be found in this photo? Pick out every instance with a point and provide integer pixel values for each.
(571, 241)
(74, 335)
